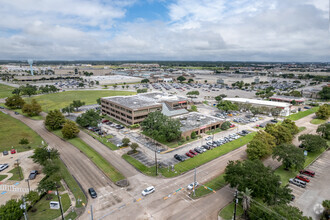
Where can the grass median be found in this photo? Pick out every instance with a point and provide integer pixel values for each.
(17, 174)
(3, 177)
(103, 140)
(299, 115)
(215, 184)
(94, 156)
(227, 212)
(150, 171)
(317, 121)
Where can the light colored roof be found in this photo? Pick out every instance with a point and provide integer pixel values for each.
(287, 98)
(258, 102)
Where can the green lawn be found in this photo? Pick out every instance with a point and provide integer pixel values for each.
(72, 184)
(99, 161)
(103, 140)
(150, 171)
(302, 114)
(227, 212)
(317, 121)
(63, 99)
(214, 131)
(12, 131)
(5, 91)
(301, 129)
(215, 184)
(287, 174)
(43, 211)
(17, 174)
(2, 177)
(71, 215)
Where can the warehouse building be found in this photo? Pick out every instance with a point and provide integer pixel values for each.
(286, 107)
(288, 99)
(134, 109)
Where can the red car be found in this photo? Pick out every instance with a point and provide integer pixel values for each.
(190, 154)
(13, 151)
(104, 121)
(305, 179)
(232, 125)
(308, 173)
(193, 152)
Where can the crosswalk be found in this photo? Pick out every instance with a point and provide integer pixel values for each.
(13, 188)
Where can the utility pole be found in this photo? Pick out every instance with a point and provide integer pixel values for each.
(91, 212)
(156, 162)
(27, 180)
(194, 182)
(23, 206)
(59, 199)
(19, 170)
(236, 201)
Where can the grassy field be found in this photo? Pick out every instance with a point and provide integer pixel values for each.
(5, 91)
(103, 140)
(215, 184)
(17, 174)
(302, 114)
(71, 215)
(44, 212)
(72, 184)
(2, 177)
(317, 121)
(227, 212)
(12, 131)
(94, 156)
(150, 171)
(63, 99)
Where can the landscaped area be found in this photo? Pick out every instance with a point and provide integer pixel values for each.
(227, 212)
(38, 117)
(44, 212)
(302, 114)
(17, 174)
(5, 91)
(62, 99)
(12, 131)
(94, 156)
(2, 177)
(150, 171)
(103, 140)
(214, 184)
(317, 121)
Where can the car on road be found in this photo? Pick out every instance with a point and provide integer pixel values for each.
(190, 154)
(179, 157)
(13, 151)
(295, 182)
(308, 173)
(16, 113)
(193, 152)
(33, 174)
(5, 153)
(303, 178)
(3, 166)
(191, 185)
(148, 190)
(92, 193)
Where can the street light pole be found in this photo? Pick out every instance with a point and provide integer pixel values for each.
(59, 199)
(156, 162)
(194, 181)
(19, 170)
(27, 180)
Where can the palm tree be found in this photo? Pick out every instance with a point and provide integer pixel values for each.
(246, 201)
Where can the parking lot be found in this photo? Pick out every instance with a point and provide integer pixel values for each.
(309, 199)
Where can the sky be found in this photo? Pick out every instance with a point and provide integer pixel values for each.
(201, 30)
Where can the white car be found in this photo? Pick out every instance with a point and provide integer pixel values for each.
(3, 166)
(148, 190)
(191, 185)
(208, 138)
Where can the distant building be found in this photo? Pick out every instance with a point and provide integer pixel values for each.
(220, 81)
(311, 93)
(257, 80)
(289, 99)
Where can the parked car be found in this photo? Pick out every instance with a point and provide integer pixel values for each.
(306, 107)
(3, 166)
(33, 174)
(208, 138)
(308, 173)
(179, 157)
(191, 185)
(190, 154)
(232, 125)
(92, 193)
(13, 151)
(193, 152)
(16, 113)
(148, 190)
(198, 150)
(5, 153)
(303, 178)
(295, 182)
(206, 147)
(274, 121)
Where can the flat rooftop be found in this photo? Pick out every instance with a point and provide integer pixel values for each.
(287, 98)
(195, 120)
(259, 102)
(145, 99)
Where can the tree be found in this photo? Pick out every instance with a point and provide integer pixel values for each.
(29, 90)
(24, 141)
(260, 146)
(324, 130)
(194, 108)
(126, 141)
(259, 179)
(227, 106)
(161, 127)
(16, 91)
(255, 110)
(32, 197)
(77, 103)
(282, 134)
(325, 93)
(246, 200)
(323, 112)
(312, 143)
(15, 102)
(54, 120)
(193, 135)
(98, 101)
(181, 79)
(291, 126)
(70, 129)
(225, 125)
(145, 81)
(11, 210)
(50, 168)
(69, 109)
(134, 146)
(32, 109)
(142, 90)
(81, 84)
(290, 155)
(42, 155)
(46, 185)
(89, 118)
(218, 98)
(190, 80)
(193, 93)
(205, 81)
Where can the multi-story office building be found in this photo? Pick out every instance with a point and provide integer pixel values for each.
(134, 109)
